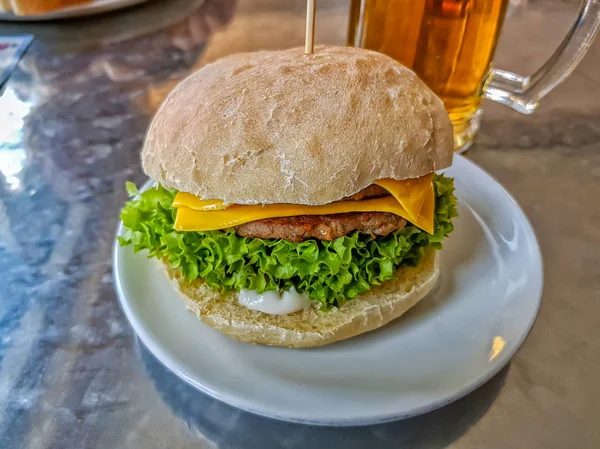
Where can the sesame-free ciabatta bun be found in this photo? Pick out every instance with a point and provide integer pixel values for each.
(310, 327)
(285, 127)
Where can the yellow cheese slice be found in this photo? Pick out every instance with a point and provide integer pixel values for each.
(184, 199)
(425, 220)
(410, 193)
(206, 220)
(412, 199)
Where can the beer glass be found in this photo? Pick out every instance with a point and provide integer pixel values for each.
(450, 45)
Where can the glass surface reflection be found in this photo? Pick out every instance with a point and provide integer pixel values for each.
(13, 157)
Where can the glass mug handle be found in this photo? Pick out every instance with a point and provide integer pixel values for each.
(523, 93)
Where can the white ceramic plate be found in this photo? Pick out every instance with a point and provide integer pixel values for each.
(88, 9)
(490, 291)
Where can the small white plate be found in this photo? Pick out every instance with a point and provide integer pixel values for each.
(86, 9)
(449, 344)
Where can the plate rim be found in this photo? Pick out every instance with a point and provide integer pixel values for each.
(164, 357)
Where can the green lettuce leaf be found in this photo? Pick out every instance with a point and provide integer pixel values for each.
(328, 272)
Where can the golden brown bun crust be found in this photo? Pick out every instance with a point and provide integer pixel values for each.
(311, 327)
(285, 127)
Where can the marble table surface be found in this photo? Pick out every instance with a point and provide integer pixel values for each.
(72, 119)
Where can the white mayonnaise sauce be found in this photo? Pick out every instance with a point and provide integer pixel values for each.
(273, 302)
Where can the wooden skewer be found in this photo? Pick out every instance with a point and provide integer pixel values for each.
(309, 45)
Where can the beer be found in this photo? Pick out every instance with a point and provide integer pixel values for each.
(448, 43)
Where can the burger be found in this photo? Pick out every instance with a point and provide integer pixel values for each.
(296, 200)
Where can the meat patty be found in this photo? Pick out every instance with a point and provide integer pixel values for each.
(323, 227)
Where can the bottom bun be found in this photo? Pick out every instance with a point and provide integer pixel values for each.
(310, 327)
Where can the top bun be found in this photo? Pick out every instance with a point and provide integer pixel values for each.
(285, 127)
